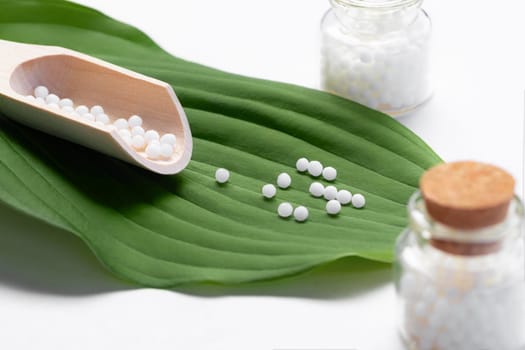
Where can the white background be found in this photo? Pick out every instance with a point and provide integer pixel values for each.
(54, 294)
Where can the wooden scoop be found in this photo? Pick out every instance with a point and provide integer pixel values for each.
(90, 81)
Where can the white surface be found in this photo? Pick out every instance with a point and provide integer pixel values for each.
(54, 295)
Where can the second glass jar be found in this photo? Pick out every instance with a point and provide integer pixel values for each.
(377, 53)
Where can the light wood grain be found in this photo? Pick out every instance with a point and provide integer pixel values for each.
(90, 81)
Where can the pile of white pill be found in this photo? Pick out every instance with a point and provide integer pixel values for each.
(474, 306)
(147, 142)
(335, 198)
(391, 75)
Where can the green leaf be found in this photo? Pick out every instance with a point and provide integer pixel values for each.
(168, 230)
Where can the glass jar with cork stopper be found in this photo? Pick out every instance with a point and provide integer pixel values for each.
(460, 266)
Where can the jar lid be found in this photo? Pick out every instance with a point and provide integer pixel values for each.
(467, 195)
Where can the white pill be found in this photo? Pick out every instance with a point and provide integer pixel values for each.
(134, 120)
(41, 91)
(269, 191)
(284, 180)
(96, 110)
(316, 189)
(68, 110)
(330, 192)
(329, 173)
(344, 197)
(153, 150)
(81, 110)
(358, 200)
(222, 175)
(125, 133)
(89, 116)
(120, 123)
(52, 98)
(66, 102)
(300, 213)
(137, 130)
(333, 207)
(166, 150)
(285, 210)
(102, 118)
(138, 142)
(40, 101)
(169, 138)
(302, 164)
(315, 168)
(151, 135)
(53, 106)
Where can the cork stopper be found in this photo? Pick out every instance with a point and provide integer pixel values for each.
(468, 196)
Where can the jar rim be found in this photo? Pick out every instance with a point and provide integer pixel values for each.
(428, 228)
(381, 4)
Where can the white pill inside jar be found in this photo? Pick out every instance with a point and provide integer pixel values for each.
(302, 164)
(284, 180)
(269, 191)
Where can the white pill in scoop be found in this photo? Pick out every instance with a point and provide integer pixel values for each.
(333, 207)
(138, 142)
(153, 150)
(41, 91)
(300, 213)
(315, 168)
(330, 192)
(168, 138)
(137, 130)
(284, 180)
(316, 189)
(166, 150)
(151, 135)
(81, 110)
(88, 116)
(102, 118)
(96, 110)
(52, 98)
(134, 120)
(358, 201)
(66, 102)
(68, 109)
(302, 164)
(285, 210)
(344, 197)
(222, 175)
(120, 123)
(269, 191)
(329, 173)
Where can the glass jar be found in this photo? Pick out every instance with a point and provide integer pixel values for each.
(461, 289)
(377, 53)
